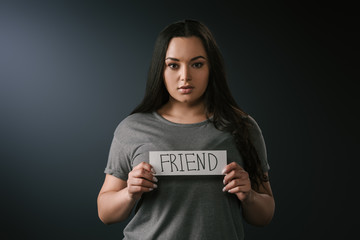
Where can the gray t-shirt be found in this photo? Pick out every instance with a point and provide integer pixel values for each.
(182, 207)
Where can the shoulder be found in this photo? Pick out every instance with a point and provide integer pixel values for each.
(133, 121)
(136, 118)
(252, 123)
(253, 127)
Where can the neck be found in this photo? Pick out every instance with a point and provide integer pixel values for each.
(183, 112)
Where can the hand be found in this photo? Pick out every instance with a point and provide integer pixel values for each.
(141, 179)
(237, 181)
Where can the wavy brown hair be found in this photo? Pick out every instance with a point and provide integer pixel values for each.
(227, 115)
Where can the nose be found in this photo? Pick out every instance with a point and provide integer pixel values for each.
(185, 74)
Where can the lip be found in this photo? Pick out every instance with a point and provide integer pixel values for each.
(186, 89)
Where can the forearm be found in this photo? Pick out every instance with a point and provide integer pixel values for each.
(258, 208)
(115, 206)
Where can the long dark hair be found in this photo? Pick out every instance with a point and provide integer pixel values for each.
(227, 115)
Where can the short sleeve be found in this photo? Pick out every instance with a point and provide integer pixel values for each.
(258, 141)
(119, 160)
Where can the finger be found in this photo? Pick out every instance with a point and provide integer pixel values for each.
(139, 189)
(141, 182)
(239, 173)
(239, 189)
(234, 183)
(231, 166)
(145, 166)
(142, 173)
(229, 176)
(237, 185)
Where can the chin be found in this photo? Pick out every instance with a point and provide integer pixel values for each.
(187, 98)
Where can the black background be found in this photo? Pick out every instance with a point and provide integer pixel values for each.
(70, 71)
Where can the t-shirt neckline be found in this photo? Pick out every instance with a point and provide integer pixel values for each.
(164, 120)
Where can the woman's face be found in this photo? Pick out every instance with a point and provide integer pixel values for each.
(186, 71)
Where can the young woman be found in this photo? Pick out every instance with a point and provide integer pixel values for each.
(187, 106)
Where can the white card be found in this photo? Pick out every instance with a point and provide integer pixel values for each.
(188, 162)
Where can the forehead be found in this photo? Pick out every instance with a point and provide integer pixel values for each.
(185, 48)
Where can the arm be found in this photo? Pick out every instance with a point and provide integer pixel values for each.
(114, 202)
(258, 206)
(118, 197)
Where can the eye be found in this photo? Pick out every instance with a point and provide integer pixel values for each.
(198, 65)
(173, 65)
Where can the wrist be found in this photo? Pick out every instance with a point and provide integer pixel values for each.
(250, 197)
(130, 198)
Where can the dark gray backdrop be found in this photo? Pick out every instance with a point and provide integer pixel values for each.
(70, 71)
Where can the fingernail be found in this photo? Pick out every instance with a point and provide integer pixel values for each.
(150, 189)
(224, 190)
(155, 179)
(223, 171)
(155, 186)
(152, 169)
(224, 182)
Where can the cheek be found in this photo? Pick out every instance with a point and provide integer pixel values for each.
(204, 79)
(168, 79)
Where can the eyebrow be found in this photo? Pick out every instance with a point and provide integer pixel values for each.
(177, 60)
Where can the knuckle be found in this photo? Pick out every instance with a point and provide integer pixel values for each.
(232, 183)
(134, 172)
(236, 182)
(141, 182)
(143, 165)
(137, 189)
(244, 175)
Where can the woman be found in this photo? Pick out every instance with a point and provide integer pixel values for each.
(187, 106)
